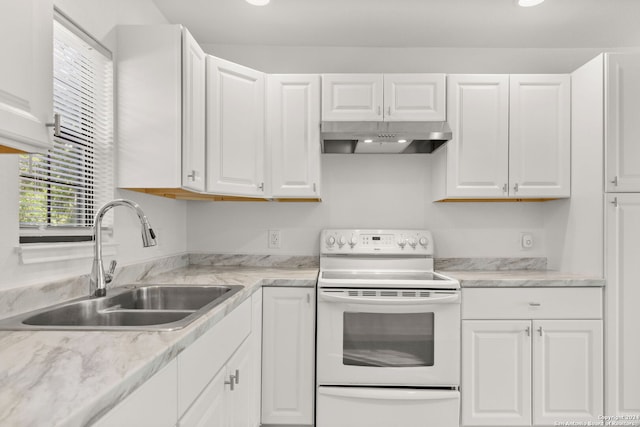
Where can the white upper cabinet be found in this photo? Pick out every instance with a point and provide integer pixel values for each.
(293, 134)
(26, 75)
(161, 104)
(540, 136)
(622, 127)
(477, 157)
(352, 97)
(390, 97)
(193, 114)
(235, 129)
(414, 97)
(511, 138)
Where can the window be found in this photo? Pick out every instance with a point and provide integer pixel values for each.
(60, 191)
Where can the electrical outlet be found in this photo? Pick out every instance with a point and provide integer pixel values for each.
(274, 239)
(526, 241)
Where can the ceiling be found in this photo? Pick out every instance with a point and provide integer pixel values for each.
(410, 23)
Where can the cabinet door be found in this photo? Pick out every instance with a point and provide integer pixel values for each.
(540, 136)
(235, 129)
(478, 154)
(496, 373)
(153, 404)
(352, 97)
(567, 366)
(622, 296)
(210, 408)
(622, 128)
(240, 371)
(288, 356)
(293, 132)
(26, 76)
(193, 109)
(256, 359)
(414, 97)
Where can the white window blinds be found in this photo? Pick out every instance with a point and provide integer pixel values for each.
(63, 189)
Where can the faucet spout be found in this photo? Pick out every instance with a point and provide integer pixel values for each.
(99, 278)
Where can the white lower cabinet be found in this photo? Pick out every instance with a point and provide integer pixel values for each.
(214, 382)
(217, 374)
(288, 356)
(622, 295)
(154, 404)
(529, 370)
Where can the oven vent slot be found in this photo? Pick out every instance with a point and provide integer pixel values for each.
(408, 294)
(388, 293)
(425, 294)
(369, 293)
(354, 293)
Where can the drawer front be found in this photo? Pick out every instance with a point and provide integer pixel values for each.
(200, 362)
(532, 303)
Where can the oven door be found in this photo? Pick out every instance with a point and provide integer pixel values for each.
(388, 337)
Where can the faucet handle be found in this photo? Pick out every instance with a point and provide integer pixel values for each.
(112, 269)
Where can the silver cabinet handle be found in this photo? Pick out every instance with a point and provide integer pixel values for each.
(230, 382)
(535, 304)
(308, 299)
(237, 376)
(540, 330)
(505, 188)
(379, 110)
(314, 187)
(614, 181)
(515, 187)
(615, 202)
(261, 186)
(528, 330)
(192, 175)
(55, 124)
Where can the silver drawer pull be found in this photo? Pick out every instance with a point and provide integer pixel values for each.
(231, 381)
(528, 330)
(540, 330)
(535, 304)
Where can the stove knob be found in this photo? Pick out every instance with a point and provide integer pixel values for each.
(330, 241)
(342, 241)
(353, 241)
(413, 242)
(423, 241)
(402, 242)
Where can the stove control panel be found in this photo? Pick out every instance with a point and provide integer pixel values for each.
(367, 241)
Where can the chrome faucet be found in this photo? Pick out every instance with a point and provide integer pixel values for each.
(99, 278)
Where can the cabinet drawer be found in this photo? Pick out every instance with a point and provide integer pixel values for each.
(532, 303)
(199, 362)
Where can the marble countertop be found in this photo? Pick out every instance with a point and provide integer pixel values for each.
(522, 278)
(70, 378)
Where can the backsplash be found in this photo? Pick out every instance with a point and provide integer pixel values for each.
(239, 260)
(490, 264)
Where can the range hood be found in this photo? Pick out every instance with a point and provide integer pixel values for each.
(383, 137)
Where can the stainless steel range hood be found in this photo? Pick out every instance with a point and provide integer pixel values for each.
(383, 137)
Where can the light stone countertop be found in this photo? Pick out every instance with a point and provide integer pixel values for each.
(71, 378)
(522, 279)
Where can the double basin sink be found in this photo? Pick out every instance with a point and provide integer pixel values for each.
(150, 308)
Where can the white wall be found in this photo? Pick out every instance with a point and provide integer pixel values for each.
(368, 191)
(168, 217)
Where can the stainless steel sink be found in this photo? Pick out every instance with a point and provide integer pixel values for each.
(153, 307)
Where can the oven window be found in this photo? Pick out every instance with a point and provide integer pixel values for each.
(388, 340)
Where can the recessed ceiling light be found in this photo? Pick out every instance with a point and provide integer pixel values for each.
(368, 141)
(258, 2)
(402, 141)
(527, 3)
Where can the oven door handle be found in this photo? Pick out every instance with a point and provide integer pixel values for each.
(447, 299)
(388, 394)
